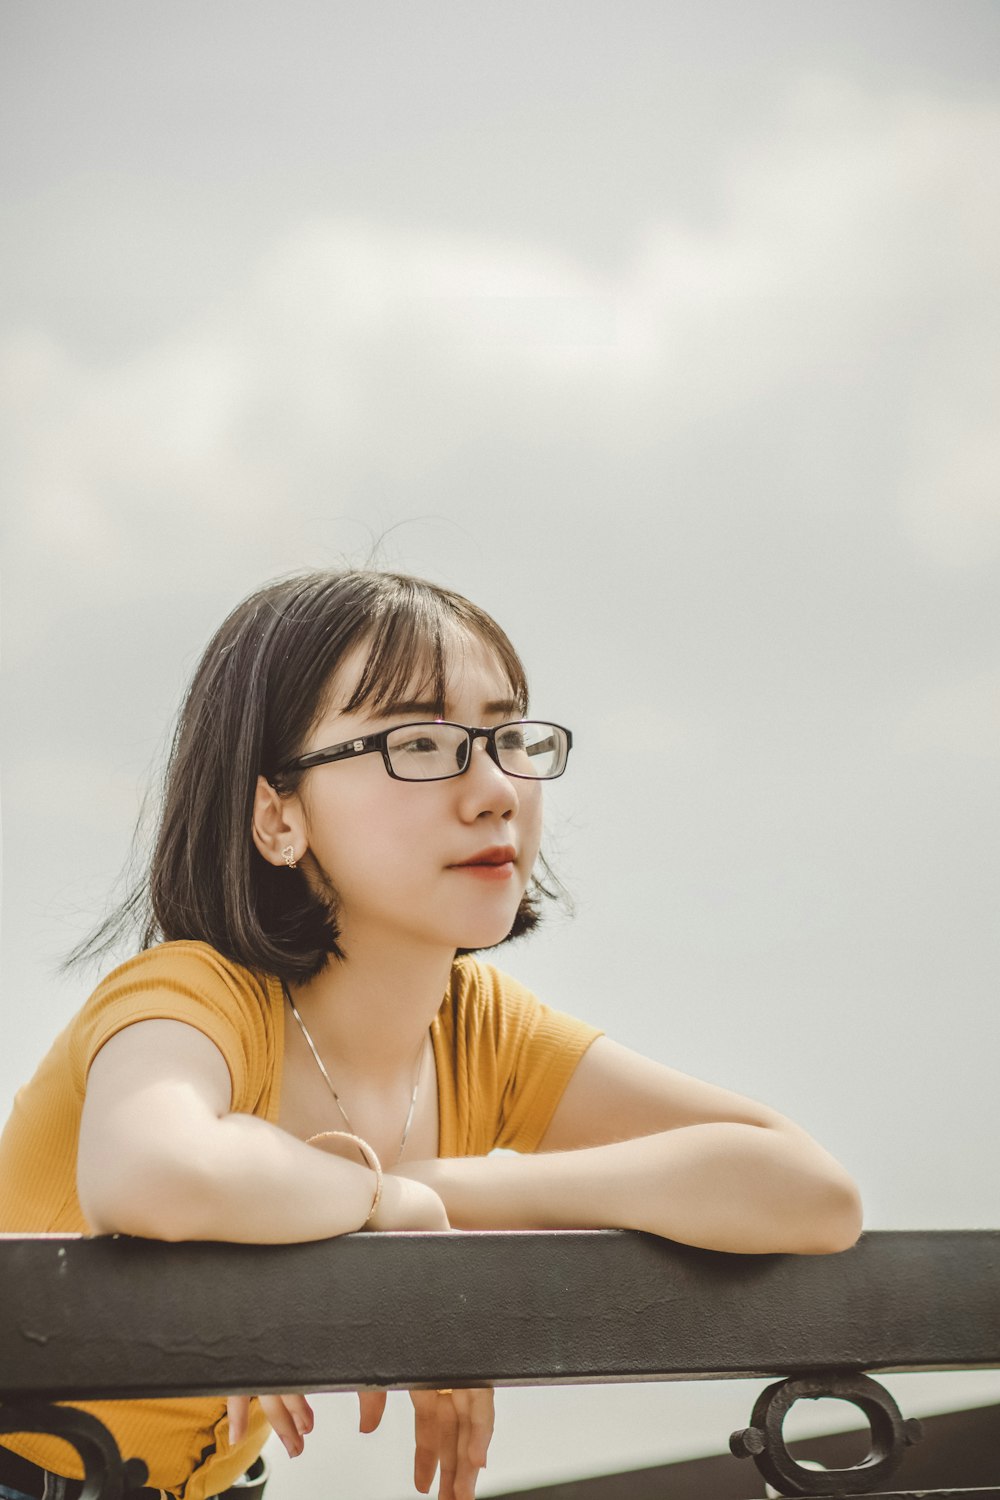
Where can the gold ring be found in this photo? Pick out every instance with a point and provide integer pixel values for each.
(445, 1392)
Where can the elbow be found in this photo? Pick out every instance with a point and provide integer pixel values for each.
(822, 1205)
(160, 1200)
(833, 1218)
(132, 1220)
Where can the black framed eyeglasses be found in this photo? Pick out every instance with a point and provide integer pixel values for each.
(437, 750)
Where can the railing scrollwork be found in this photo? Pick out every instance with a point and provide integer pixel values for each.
(764, 1440)
(107, 1476)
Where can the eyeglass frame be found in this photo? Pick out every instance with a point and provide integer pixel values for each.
(368, 743)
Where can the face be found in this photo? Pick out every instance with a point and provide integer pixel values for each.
(398, 853)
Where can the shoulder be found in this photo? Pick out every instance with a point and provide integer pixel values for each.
(183, 981)
(485, 999)
(474, 982)
(483, 995)
(516, 1054)
(184, 965)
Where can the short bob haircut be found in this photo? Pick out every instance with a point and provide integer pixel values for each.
(255, 695)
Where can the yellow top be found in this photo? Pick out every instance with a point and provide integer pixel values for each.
(503, 1061)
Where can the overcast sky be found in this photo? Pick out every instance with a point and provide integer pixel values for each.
(669, 332)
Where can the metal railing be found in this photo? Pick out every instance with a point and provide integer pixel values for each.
(520, 1308)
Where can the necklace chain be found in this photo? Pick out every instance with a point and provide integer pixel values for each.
(329, 1081)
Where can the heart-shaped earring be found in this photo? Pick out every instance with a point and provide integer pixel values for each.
(288, 855)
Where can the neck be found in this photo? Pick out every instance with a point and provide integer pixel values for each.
(373, 1008)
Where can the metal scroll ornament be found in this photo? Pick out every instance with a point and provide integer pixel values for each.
(106, 1475)
(764, 1440)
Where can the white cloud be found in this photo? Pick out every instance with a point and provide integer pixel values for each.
(860, 243)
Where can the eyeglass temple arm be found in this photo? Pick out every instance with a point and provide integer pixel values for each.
(336, 752)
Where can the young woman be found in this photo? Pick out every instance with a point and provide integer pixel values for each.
(306, 1045)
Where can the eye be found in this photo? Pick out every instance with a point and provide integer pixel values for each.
(418, 744)
(511, 737)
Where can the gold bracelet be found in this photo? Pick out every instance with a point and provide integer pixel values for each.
(370, 1157)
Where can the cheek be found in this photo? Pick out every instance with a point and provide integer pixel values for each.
(369, 828)
(531, 819)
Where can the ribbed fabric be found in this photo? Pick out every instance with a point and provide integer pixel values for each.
(503, 1061)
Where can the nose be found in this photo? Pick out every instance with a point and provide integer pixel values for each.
(465, 753)
(486, 788)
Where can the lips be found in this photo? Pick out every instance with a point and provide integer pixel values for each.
(497, 854)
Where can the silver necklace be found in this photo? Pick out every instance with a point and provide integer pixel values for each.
(329, 1081)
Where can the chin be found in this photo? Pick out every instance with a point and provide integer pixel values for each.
(478, 940)
(478, 944)
(475, 948)
(486, 929)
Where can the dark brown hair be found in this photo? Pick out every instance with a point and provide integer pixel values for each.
(255, 695)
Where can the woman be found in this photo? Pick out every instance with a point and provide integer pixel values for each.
(306, 1045)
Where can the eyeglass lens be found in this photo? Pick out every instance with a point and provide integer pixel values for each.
(431, 752)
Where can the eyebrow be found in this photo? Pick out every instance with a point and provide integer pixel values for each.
(499, 706)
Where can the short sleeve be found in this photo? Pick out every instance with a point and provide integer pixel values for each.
(508, 1059)
(189, 982)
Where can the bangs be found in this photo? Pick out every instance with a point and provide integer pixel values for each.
(415, 635)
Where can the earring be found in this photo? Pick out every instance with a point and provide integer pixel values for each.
(288, 855)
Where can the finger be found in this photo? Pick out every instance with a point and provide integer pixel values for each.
(475, 1418)
(238, 1412)
(283, 1422)
(425, 1432)
(448, 1429)
(463, 1480)
(481, 1424)
(371, 1405)
(466, 1469)
(301, 1413)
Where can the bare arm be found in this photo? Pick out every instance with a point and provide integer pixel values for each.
(162, 1156)
(635, 1145)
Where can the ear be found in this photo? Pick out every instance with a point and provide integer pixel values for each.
(278, 825)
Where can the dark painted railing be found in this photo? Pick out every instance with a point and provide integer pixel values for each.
(517, 1309)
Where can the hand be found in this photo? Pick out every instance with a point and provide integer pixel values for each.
(408, 1204)
(291, 1417)
(452, 1428)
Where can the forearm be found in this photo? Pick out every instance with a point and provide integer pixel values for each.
(722, 1186)
(242, 1179)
